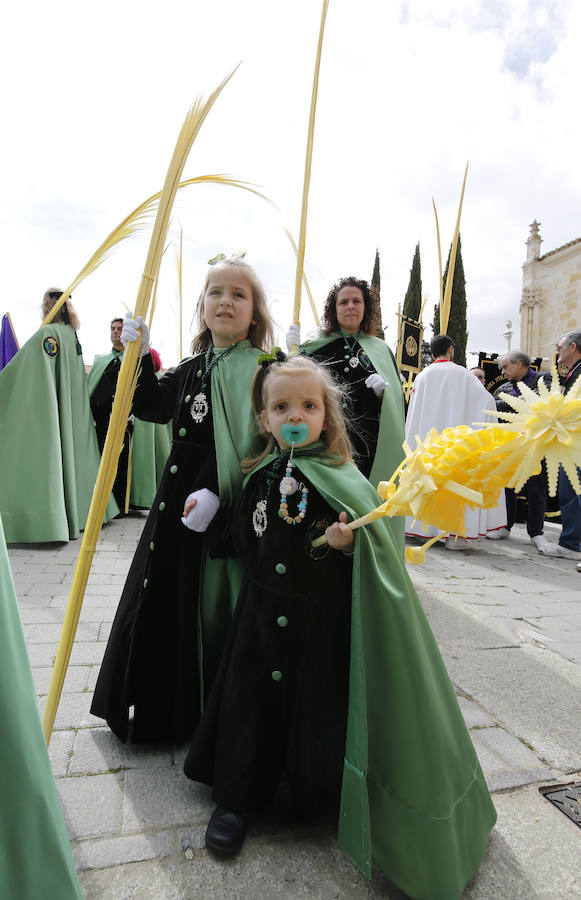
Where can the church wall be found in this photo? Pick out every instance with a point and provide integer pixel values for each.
(551, 299)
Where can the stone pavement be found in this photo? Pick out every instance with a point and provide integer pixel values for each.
(508, 622)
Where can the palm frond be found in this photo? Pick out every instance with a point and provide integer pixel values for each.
(122, 404)
(446, 302)
(307, 178)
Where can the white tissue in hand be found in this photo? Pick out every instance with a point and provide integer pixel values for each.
(207, 505)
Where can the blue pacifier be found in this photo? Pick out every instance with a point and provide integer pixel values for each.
(294, 434)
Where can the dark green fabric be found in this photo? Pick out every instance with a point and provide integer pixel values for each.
(49, 456)
(149, 447)
(35, 856)
(235, 437)
(389, 453)
(414, 800)
(233, 417)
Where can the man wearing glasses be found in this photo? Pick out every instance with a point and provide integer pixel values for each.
(569, 546)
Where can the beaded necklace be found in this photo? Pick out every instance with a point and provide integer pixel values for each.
(287, 487)
(199, 408)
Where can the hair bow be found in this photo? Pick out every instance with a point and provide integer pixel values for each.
(220, 257)
(267, 359)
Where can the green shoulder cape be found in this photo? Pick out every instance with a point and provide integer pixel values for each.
(235, 437)
(49, 455)
(35, 856)
(414, 799)
(389, 453)
(149, 447)
(391, 435)
(235, 431)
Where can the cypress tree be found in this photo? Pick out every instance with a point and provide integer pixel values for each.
(413, 299)
(376, 283)
(457, 328)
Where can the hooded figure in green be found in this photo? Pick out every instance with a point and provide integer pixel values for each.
(49, 456)
(146, 445)
(332, 682)
(35, 856)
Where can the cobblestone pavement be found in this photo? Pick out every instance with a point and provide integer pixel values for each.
(508, 622)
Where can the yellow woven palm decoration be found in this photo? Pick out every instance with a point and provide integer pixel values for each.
(465, 467)
(549, 424)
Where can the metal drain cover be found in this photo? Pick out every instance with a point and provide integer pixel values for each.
(567, 798)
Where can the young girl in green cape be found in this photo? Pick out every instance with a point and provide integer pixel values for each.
(176, 606)
(331, 680)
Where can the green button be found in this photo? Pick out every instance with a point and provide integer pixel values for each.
(173, 469)
(188, 398)
(347, 356)
(276, 675)
(282, 621)
(199, 373)
(280, 568)
(346, 369)
(152, 546)
(182, 432)
(145, 583)
(161, 506)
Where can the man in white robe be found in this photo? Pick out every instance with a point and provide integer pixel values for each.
(445, 395)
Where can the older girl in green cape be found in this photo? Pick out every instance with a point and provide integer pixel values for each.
(176, 606)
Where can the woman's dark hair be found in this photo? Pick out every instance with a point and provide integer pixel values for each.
(371, 315)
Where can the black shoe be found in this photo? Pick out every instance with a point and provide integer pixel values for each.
(226, 831)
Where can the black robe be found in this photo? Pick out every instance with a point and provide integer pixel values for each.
(362, 407)
(279, 703)
(151, 658)
(101, 405)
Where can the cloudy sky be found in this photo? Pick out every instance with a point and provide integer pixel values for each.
(409, 92)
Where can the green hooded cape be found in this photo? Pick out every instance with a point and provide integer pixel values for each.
(35, 856)
(49, 455)
(149, 447)
(414, 800)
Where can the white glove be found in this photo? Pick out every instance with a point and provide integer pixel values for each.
(293, 337)
(130, 333)
(376, 383)
(207, 505)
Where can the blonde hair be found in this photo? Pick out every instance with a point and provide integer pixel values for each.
(67, 314)
(260, 335)
(335, 437)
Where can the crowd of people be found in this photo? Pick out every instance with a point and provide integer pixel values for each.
(294, 671)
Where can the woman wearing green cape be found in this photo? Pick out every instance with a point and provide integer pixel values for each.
(365, 368)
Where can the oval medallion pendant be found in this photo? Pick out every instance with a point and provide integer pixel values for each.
(199, 408)
(259, 520)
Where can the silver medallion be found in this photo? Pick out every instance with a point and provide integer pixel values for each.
(353, 362)
(199, 408)
(259, 520)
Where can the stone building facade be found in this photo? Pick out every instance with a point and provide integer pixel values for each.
(551, 295)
